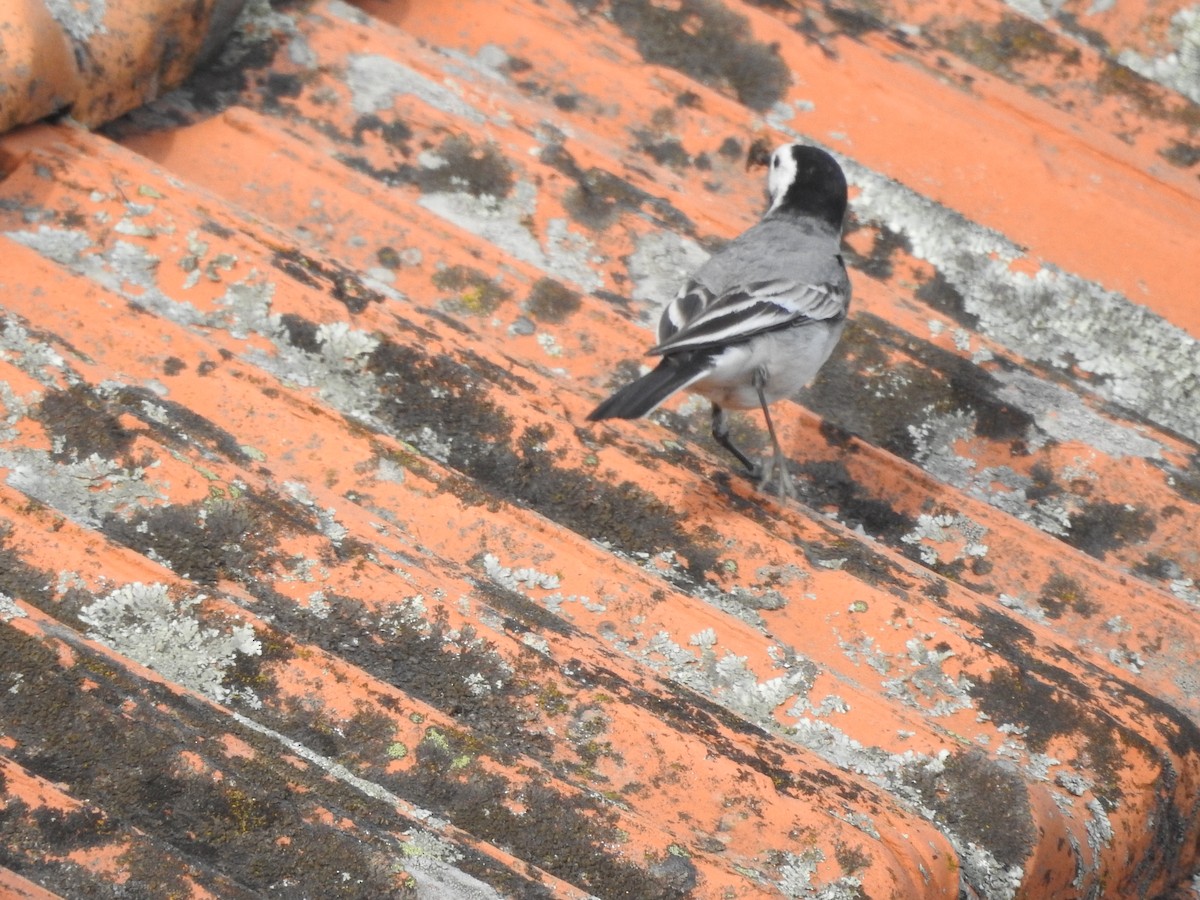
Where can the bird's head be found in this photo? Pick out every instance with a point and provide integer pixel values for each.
(807, 181)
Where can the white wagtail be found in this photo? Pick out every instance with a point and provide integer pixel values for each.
(757, 321)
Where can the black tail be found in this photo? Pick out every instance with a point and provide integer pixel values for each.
(651, 389)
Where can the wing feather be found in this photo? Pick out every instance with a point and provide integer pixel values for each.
(688, 303)
(743, 312)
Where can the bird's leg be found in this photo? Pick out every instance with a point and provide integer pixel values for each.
(776, 461)
(720, 433)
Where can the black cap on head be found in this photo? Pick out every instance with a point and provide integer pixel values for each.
(807, 181)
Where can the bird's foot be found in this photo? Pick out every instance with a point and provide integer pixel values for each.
(776, 467)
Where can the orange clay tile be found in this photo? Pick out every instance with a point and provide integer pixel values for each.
(93, 61)
(315, 581)
(17, 888)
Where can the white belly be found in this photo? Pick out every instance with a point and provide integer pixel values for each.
(789, 359)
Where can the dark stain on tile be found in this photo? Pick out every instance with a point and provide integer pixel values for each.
(418, 651)
(183, 427)
(1043, 704)
(1158, 568)
(942, 296)
(1061, 593)
(480, 445)
(109, 735)
(477, 169)
(979, 800)
(567, 836)
(855, 558)
(203, 542)
(394, 132)
(1115, 78)
(667, 152)
(683, 36)
(854, 21)
(520, 614)
(551, 301)
(1002, 47)
(1090, 36)
(867, 392)
(340, 282)
(623, 515)
(1185, 482)
(598, 198)
(472, 292)
(1102, 525)
(878, 262)
(81, 424)
(300, 332)
(830, 484)
(1048, 702)
(1183, 155)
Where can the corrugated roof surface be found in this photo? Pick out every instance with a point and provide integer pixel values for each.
(315, 582)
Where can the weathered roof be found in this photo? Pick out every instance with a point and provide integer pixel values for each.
(314, 581)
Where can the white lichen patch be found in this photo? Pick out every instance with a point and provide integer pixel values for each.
(125, 269)
(926, 685)
(13, 409)
(1099, 828)
(726, 677)
(85, 491)
(947, 538)
(1017, 604)
(939, 437)
(1179, 68)
(80, 20)
(523, 579)
(9, 609)
(935, 441)
(1186, 589)
(986, 874)
(798, 878)
(865, 651)
(1142, 360)
(659, 265)
(341, 345)
(549, 343)
(376, 81)
(1074, 783)
(336, 369)
(1064, 416)
(571, 255)
(318, 606)
(246, 309)
(432, 863)
(504, 223)
(390, 470)
(422, 848)
(430, 443)
(518, 579)
(142, 622)
(35, 358)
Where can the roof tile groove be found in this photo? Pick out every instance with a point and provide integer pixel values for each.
(313, 580)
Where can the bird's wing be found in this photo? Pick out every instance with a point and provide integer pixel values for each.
(693, 298)
(743, 312)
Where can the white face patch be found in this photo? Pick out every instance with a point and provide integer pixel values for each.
(781, 176)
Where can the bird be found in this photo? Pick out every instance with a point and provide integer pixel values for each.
(757, 321)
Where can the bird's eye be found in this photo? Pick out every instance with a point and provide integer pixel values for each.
(774, 162)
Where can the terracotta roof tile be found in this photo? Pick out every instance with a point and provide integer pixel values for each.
(314, 580)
